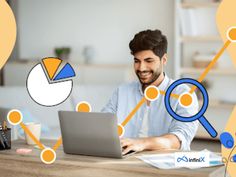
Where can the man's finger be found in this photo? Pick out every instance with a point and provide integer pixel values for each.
(126, 150)
(125, 142)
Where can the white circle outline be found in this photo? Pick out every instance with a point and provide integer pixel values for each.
(185, 93)
(232, 27)
(123, 132)
(8, 117)
(83, 102)
(53, 160)
(158, 91)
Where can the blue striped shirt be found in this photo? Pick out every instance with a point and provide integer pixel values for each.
(127, 96)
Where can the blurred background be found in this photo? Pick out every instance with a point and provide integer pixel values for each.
(93, 35)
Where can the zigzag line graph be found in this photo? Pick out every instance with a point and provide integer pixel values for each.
(48, 155)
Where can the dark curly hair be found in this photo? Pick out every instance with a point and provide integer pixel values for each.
(149, 40)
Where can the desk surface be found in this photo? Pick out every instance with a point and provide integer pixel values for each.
(12, 165)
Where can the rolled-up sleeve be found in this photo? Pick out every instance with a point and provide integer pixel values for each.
(185, 131)
(111, 106)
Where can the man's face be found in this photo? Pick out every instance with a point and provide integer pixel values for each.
(148, 66)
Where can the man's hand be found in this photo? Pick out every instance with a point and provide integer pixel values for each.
(136, 145)
(164, 142)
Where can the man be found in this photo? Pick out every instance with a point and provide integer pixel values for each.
(151, 128)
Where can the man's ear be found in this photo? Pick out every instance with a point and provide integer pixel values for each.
(164, 59)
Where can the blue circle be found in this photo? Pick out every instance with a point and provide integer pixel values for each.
(203, 108)
(230, 144)
(234, 158)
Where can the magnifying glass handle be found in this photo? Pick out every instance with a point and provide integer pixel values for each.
(208, 127)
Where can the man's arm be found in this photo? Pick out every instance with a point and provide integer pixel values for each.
(166, 142)
(111, 106)
(179, 136)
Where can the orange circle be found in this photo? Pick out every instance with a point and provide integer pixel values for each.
(152, 93)
(232, 34)
(48, 156)
(186, 100)
(15, 117)
(120, 130)
(83, 107)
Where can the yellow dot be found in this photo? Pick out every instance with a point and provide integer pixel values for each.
(14, 117)
(83, 107)
(120, 130)
(186, 99)
(232, 34)
(151, 93)
(48, 156)
(224, 160)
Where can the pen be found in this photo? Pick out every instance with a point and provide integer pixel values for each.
(216, 162)
(4, 125)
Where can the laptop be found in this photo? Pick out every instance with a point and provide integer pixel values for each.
(92, 134)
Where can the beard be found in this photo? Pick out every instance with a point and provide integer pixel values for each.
(146, 78)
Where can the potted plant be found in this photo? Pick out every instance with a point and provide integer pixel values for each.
(62, 52)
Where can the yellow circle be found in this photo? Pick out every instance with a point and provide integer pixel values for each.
(48, 156)
(83, 107)
(232, 34)
(224, 160)
(152, 93)
(15, 117)
(120, 130)
(186, 99)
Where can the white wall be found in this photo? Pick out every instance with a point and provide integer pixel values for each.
(108, 25)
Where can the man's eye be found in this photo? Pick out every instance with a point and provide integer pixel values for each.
(135, 61)
(149, 61)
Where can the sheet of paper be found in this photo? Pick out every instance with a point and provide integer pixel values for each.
(167, 161)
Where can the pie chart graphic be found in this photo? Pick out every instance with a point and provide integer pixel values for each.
(48, 83)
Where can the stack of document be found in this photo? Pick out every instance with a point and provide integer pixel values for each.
(167, 161)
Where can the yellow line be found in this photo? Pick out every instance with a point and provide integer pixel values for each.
(58, 143)
(142, 101)
(127, 119)
(172, 94)
(209, 67)
(41, 146)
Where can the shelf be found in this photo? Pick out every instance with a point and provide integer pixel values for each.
(201, 39)
(200, 5)
(93, 65)
(219, 104)
(222, 71)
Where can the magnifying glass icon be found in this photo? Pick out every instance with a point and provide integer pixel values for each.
(200, 115)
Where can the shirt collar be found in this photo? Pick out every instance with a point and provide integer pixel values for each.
(162, 86)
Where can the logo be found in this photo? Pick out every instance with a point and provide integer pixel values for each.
(185, 159)
(192, 159)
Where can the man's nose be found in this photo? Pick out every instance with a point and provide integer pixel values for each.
(142, 67)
